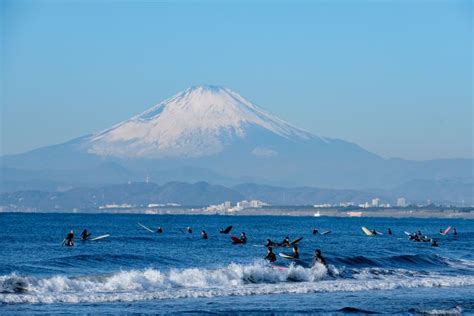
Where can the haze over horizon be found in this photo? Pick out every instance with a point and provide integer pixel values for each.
(394, 78)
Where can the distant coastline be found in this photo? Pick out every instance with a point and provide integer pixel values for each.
(446, 213)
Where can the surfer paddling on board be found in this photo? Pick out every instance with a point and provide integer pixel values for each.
(270, 257)
(85, 234)
(68, 240)
(318, 258)
(203, 235)
(159, 230)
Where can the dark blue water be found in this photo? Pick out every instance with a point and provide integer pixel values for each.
(175, 272)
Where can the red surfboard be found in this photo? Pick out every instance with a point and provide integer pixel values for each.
(235, 240)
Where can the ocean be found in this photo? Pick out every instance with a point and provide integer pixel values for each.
(135, 271)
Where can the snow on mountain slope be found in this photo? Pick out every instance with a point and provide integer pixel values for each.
(199, 121)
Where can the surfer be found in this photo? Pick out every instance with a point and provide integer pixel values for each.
(455, 232)
(295, 253)
(389, 231)
(285, 242)
(315, 231)
(270, 257)
(374, 232)
(270, 243)
(243, 238)
(318, 258)
(68, 240)
(190, 230)
(159, 230)
(85, 234)
(434, 243)
(203, 234)
(419, 233)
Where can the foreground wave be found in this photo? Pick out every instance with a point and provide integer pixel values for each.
(235, 279)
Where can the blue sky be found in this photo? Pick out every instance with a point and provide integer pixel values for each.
(394, 77)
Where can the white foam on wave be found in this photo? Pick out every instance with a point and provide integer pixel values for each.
(235, 279)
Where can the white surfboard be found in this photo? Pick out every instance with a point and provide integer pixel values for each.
(146, 228)
(367, 231)
(100, 237)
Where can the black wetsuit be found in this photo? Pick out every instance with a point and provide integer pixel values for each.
(319, 259)
(285, 242)
(270, 257)
(68, 240)
(204, 235)
(85, 234)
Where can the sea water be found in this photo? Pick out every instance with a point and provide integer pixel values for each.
(135, 271)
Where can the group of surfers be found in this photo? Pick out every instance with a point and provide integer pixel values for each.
(68, 240)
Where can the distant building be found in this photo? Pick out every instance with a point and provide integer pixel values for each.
(375, 202)
(401, 202)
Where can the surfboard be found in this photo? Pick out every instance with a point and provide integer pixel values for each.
(100, 237)
(146, 228)
(236, 240)
(227, 230)
(294, 242)
(279, 268)
(326, 232)
(407, 233)
(367, 231)
(446, 231)
(379, 233)
(286, 256)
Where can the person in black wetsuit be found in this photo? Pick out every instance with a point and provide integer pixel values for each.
(455, 232)
(389, 231)
(318, 258)
(285, 242)
(434, 243)
(190, 230)
(243, 238)
(203, 234)
(159, 230)
(315, 231)
(85, 234)
(68, 240)
(295, 253)
(270, 243)
(270, 257)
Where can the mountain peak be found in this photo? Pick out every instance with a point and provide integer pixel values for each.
(195, 122)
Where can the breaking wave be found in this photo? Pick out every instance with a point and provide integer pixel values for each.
(235, 279)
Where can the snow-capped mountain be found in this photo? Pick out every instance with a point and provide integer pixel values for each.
(213, 134)
(199, 121)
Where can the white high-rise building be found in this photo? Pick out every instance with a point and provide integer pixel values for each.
(227, 204)
(375, 202)
(401, 202)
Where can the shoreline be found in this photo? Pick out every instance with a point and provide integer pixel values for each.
(287, 211)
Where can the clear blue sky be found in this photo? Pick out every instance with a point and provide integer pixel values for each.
(392, 76)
